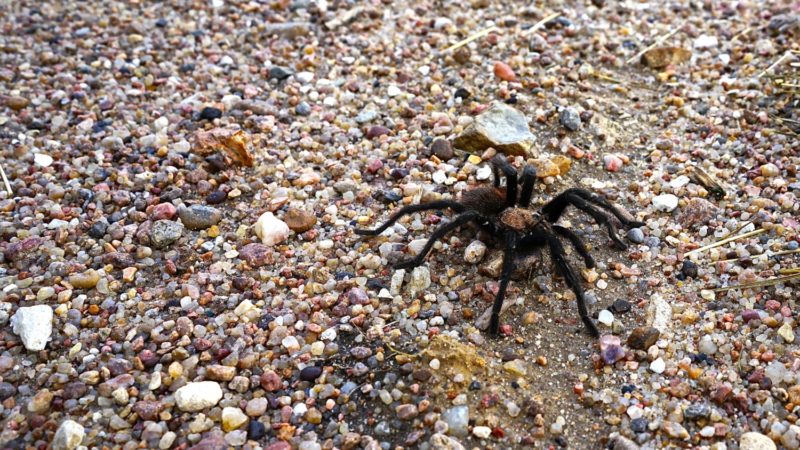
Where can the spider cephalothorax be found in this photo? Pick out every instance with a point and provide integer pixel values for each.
(504, 212)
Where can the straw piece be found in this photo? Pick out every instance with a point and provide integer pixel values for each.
(540, 24)
(758, 284)
(775, 64)
(466, 41)
(5, 181)
(726, 240)
(655, 44)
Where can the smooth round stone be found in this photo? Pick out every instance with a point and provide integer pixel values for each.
(636, 235)
(756, 441)
(605, 317)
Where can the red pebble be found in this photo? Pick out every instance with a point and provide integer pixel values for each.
(505, 330)
(374, 165)
(498, 432)
(612, 163)
(163, 211)
(773, 305)
(504, 72)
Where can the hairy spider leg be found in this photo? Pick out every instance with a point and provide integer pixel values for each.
(572, 280)
(511, 239)
(442, 204)
(439, 233)
(527, 181)
(500, 162)
(577, 242)
(555, 208)
(603, 203)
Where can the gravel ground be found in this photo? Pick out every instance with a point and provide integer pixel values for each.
(179, 268)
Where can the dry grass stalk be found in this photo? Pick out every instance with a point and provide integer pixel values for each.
(726, 240)
(759, 284)
(5, 181)
(655, 44)
(466, 41)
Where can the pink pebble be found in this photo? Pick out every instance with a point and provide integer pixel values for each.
(374, 165)
(773, 305)
(612, 163)
(163, 211)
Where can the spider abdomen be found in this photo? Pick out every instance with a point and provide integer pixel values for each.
(488, 201)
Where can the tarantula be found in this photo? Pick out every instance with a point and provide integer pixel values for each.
(504, 211)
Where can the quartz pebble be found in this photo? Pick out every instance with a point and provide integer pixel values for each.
(198, 396)
(34, 325)
(68, 436)
(475, 252)
(270, 229)
(665, 202)
(756, 441)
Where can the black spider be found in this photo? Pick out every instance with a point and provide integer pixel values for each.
(503, 211)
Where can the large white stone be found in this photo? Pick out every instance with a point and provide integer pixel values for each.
(198, 396)
(756, 441)
(33, 324)
(68, 436)
(665, 202)
(270, 229)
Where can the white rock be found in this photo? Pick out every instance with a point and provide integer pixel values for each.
(328, 335)
(707, 345)
(441, 22)
(393, 91)
(68, 436)
(290, 343)
(270, 229)
(161, 123)
(635, 412)
(756, 441)
(475, 252)
(665, 202)
(707, 431)
(482, 432)
(416, 246)
(483, 173)
(605, 317)
(304, 77)
(198, 396)
(230, 100)
(397, 281)
(785, 331)
(167, 440)
(420, 280)
(679, 182)
(659, 313)
(658, 366)
(232, 418)
(33, 324)
(40, 159)
(705, 41)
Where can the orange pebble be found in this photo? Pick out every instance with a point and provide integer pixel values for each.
(504, 72)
